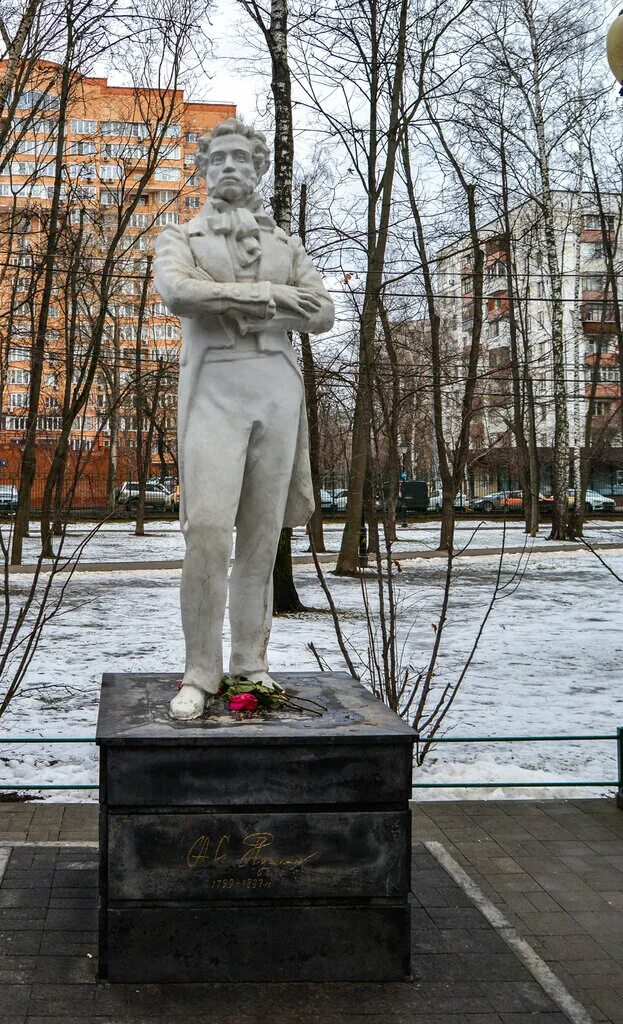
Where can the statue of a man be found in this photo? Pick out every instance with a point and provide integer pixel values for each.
(239, 283)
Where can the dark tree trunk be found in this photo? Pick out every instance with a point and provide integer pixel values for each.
(29, 455)
(311, 403)
(285, 596)
(377, 230)
(143, 443)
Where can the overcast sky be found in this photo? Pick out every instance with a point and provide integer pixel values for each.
(233, 75)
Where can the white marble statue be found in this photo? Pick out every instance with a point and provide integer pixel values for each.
(239, 284)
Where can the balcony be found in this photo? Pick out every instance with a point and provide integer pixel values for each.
(597, 319)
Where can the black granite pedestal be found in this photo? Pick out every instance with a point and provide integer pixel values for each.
(258, 849)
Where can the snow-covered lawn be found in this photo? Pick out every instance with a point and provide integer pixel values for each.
(549, 663)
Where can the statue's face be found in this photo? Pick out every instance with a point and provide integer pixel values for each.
(230, 172)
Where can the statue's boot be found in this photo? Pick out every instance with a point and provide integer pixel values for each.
(265, 680)
(188, 703)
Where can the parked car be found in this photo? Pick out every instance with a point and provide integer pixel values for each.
(175, 495)
(156, 496)
(593, 501)
(8, 498)
(340, 499)
(508, 501)
(333, 501)
(461, 501)
(412, 495)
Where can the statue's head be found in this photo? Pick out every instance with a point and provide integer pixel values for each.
(232, 158)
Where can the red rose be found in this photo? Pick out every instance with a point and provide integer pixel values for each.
(243, 702)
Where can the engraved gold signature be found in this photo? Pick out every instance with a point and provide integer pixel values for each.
(208, 850)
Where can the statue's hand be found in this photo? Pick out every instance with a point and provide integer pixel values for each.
(301, 301)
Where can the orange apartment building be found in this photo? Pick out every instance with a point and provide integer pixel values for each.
(109, 160)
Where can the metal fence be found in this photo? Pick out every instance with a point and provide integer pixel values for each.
(617, 737)
(502, 497)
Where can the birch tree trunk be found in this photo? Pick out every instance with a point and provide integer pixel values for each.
(530, 498)
(275, 32)
(578, 377)
(560, 520)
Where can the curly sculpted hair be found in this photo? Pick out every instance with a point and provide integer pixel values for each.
(261, 153)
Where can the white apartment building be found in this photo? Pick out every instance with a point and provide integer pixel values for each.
(588, 327)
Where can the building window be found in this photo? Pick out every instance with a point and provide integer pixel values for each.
(37, 98)
(123, 309)
(19, 376)
(139, 220)
(594, 311)
(18, 398)
(82, 149)
(466, 285)
(49, 422)
(602, 408)
(110, 172)
(159, 309)
(192, 136)
(16, 423)
(133, 129)
(122, 150)
(80, 127)
(84, 171)
(167, 218)
(173, 153)
(167, 174)
(166, 332)
(594, 282)
(82, 192)
(32, 147)
(192, 202)
(591, 222)
(19, 354)
(23, 167)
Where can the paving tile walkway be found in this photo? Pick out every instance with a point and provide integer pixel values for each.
(464, 972)
(554, 869)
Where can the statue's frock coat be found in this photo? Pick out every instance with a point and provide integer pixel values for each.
(196, 278)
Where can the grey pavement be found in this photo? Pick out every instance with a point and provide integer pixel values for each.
(328, 558)
(553, 869)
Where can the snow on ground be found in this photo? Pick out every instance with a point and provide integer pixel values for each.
(549, 662)
(116, 542)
